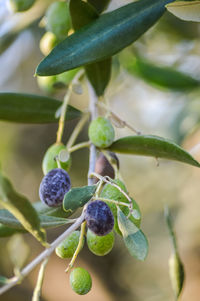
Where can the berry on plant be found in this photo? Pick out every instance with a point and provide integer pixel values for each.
(99, 218)
(68, 246)
(101, 132)
(100, 245)
(47, 83)
(48, 42)
(58, 19)
(80, 281)
(49, 161)
(20, 5)
(103, 166)
(54, 186)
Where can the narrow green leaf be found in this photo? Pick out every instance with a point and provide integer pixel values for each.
(7, 231)
(52, 221)
(43, 209)
(163, 77)
(154, 146)
(78, 197)
(104, 37)
(134, 238)
(9, 220)
(81, 13)
(99, 5)
(21, 208)
(99, 73)
(185, 10)
(28, 108)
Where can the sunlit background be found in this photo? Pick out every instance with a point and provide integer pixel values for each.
(151, 110)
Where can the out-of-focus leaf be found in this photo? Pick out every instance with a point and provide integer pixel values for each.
(81, 13)
(134, 238)
(164, 77)
(7, 231)
(8, 220)
(176, 268)
(100, 5)
(185, 10)
(15, 23)
(155, 146)
(99, 73)
(18, 251)
(21, 208)
(3, 280)
(28, 108)
(78, 197)
(176, 272)
(104, 37)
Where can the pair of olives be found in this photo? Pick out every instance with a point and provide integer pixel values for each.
(80, 279)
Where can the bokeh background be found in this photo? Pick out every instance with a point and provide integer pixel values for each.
(171, 114)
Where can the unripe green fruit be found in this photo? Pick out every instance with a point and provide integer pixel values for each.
(58, 19)
(100, 245)
(112, 193)
(101, 132)
(48, 42)
(20, 5)
(49, 160)
(68, 246)
(67, 77)
(80, 281)
(46, 83)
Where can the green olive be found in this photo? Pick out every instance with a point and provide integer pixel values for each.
(49, 161)
(58, 19)
(20, 5)
(46, 83)
(100, 245)
(68, 246)
(80, 281)
(48, 42)
(101, 132)
(67, 77)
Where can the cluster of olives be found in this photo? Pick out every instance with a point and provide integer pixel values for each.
(100, 217)
(57, 24)
(100, 241)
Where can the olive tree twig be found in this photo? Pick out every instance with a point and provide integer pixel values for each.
(46, 253)
(93, 112)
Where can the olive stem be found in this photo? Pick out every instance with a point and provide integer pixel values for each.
(79, 146)
(98, 188)
(79, 247)
(38, 287)
(61, 123)
(111, 201)
(93, 113)
(77, 130)
(94, 174)
(170, 228)
(46, 253)
(58, 162)
(123, 123)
